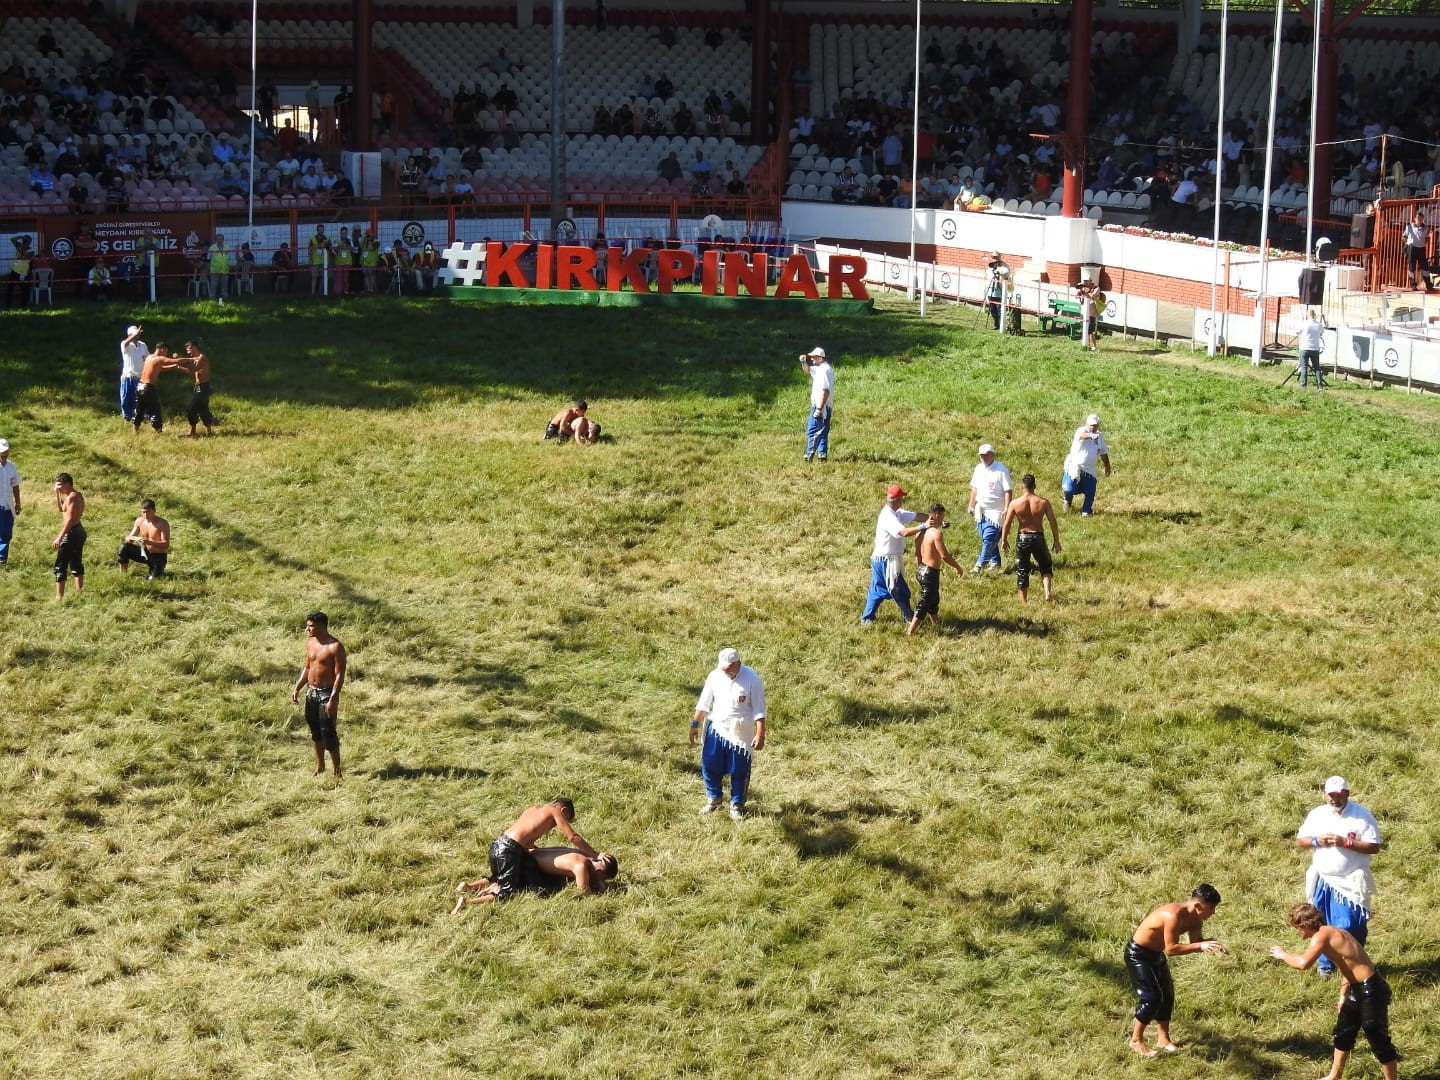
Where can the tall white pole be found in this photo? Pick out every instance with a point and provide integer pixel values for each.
(1257, 349)
(254, 54)
(914, 154)
(1213, 345)
(1322, 190)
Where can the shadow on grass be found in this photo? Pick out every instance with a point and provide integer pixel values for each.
(397, 771)
(1175, 517)
(1022, 625)
(818, 833)
(1244, 1056)
(404, 632)
(363, 353)
(856, 713)
(1421, 971)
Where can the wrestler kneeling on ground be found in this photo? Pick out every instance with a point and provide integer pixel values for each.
(557, 865)
(148, 542)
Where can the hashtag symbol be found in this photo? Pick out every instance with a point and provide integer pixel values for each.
(464, 265)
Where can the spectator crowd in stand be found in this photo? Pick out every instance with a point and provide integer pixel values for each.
(1143, 136)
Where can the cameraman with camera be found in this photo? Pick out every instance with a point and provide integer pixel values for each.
(999, 285)
(822, 402)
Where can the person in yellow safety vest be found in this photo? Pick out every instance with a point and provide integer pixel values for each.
(217, 255)
(319, 245)
(370, 261)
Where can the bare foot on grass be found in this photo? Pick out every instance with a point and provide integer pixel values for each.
(1141, 1049)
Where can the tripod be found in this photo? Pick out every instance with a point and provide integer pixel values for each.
(1319, 375)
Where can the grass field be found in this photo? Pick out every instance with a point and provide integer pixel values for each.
(951, 837)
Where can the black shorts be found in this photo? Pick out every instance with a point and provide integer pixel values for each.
(71, 555)
(929, 601)
(322, 725)
(154, 560)
(147, 406)
(1031, 545)
(1366, 1007)
(513, 869)
(1150, 976)
(199, 408)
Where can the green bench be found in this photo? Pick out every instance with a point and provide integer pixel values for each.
(1064, 314)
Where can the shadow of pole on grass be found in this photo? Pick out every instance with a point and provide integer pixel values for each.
(413, 350)
(401, 629)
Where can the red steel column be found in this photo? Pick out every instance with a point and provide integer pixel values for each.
(362, 136)
(1077, 109)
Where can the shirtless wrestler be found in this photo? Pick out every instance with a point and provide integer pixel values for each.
(70, 544)
(1158, 937)
(1030, 512)
(574, 421)
(557, 865)
(513, 864)
(930, 555)
(321, 678)
(198, 365)
(1364, 993)
(148, 542)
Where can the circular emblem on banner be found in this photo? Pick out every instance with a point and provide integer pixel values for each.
(947, 229)
(944, 281)
(413, 234)
(1392, 358)
(565, 230)
(1209, 328)
(62, 247)
(1110, 309)
(895, 271)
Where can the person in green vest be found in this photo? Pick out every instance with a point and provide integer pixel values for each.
(319, 245)
(217, 256)
(370, 261)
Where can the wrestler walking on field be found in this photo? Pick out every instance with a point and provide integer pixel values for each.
(321, 678)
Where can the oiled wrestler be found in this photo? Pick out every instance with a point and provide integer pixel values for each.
(513, 868)
(930, 555)
(1158, 937)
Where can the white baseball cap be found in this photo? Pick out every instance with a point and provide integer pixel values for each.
(131, 330)
(1334, 784)
(986, 448)
(728, 657)
(4, 447)
(1093, 418)
(818, 351)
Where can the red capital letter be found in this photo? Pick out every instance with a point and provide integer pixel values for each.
(620, 268)
(796, 277)
(847, 271)
(675, 265)
(502, 264)
(740, 270)
(575, 268)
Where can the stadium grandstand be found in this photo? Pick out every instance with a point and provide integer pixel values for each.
(379, 113)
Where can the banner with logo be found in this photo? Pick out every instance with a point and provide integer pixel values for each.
(72, 242)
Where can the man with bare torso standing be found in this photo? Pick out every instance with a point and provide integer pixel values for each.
(148, 542)
(931, 554)
(70, 544)
(1157, 938)
(1364, 993)
(147, 391)
(322, 677)
(198, 364)
(1031, 512)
